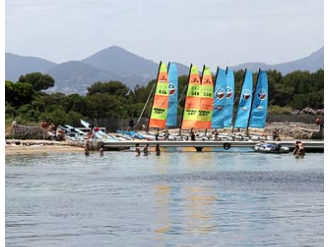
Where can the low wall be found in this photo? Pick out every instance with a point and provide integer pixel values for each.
(25, 131)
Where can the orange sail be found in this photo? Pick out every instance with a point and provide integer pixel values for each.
(161, 98)
(192, 99)
(204, 116)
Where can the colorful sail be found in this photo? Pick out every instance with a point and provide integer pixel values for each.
(192, 99)
(173, 96)
(245, 101)
(230, 95)
(204, 116)
(160, 103)
(219, 99)
(260, 102)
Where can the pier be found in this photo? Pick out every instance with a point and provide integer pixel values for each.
(310, 146)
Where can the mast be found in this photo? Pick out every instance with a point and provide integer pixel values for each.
(145, 105)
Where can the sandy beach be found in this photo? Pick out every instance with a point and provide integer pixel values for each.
(39, 146)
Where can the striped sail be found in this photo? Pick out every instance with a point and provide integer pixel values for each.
(245, 101)
(173, 96)
(230, 94)
(160, 103)
(219, 99)
(192, 99)
(204, 116)
(260, 102)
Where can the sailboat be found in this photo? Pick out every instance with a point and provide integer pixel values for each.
(204, 116)
(230, 94)
(161, 99)
(171, 120)
(219, 99)
(258, 114)
(245, 102)
(192, 99)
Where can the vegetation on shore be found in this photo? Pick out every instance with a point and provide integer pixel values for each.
(27, 102)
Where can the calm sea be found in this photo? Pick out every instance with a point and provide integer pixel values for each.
(228, 198)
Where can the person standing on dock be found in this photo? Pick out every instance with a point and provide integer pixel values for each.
(131, 124)
(276, 135)
(192, 135)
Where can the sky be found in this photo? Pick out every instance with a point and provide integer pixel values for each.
(211, 32)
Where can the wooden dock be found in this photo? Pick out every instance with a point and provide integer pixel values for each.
(310, 146)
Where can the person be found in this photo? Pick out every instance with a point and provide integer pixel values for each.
(146, 150)
(216, 135)
(157, 135)
(319, 123)
(147, 125)
(87, 147)
(167, 134)
(90, 135)
(137, 149)
(276, 136)
(157, 150)
(192, 135)
(299, 148)
(130, 124)
(101, 151)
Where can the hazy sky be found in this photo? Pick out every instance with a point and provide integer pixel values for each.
(212, 32)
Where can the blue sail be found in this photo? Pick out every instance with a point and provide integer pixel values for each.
(219, 100)
(260, 102)
(245, 101)
(171, 120)
(230, 94)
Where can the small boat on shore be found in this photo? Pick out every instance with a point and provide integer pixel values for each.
(275, 148)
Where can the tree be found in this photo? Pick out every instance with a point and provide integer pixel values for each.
(23, 92)
(111, 87)
(37, 80)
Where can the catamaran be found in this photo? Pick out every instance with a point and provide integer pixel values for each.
(245, 102)
(161, 99)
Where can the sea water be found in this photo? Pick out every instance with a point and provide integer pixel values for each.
(185, 198)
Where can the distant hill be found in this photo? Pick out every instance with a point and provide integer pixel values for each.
(120, 61)
(75, 77)
(311, 63)
(116, 63)
(19, 65)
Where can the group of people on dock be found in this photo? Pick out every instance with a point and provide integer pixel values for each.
(146, 151)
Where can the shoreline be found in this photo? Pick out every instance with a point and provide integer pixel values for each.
(39, 146)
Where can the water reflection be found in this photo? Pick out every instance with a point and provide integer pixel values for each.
(200, 208)
(184, 210)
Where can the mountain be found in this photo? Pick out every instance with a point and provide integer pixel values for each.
(311, 63)
(19, 65)
(75, 77)
(117, 60)
(116, 63)
(120, 61)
